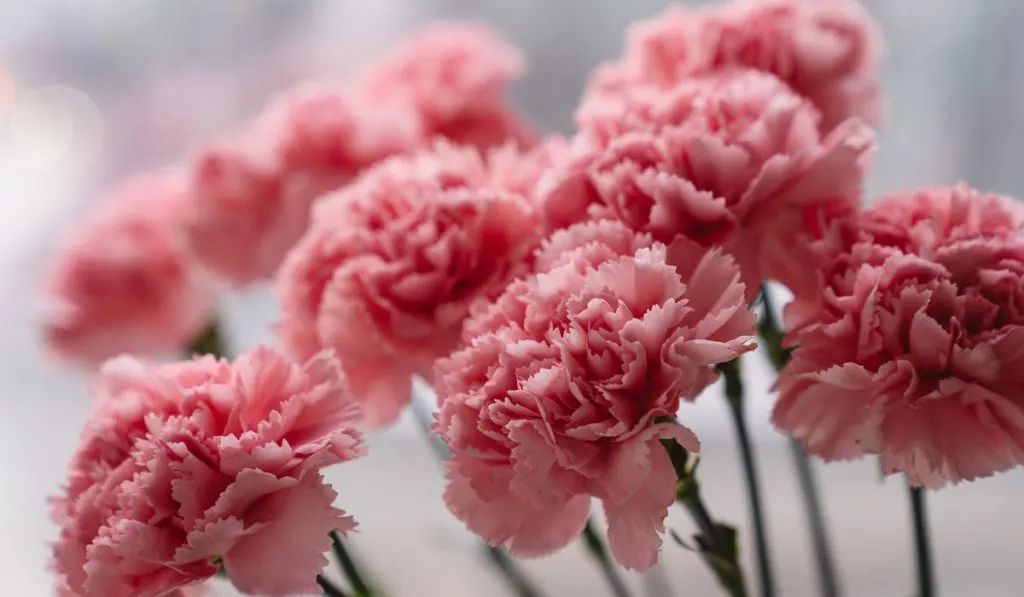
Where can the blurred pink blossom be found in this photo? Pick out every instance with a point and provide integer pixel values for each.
(251, 194)
(828, 51)
(455, 75)
(125, 281)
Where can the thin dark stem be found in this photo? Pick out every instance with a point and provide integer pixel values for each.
(734, 393)
(514, 576)
(716, 542)
(595, 545)
(349, 568)
(209, 341)
(922, 544)
(330, 589)
(828, 584)
(699, 513)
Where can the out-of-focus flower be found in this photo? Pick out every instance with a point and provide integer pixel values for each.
(251, 194)
(561, 389)
(521, 170)
(828, 51)
(734, 159)
(388, 271)
(239, 222)
(455, 76)
(186, 464)
(323, 127)
(125, 282)
(912, 347)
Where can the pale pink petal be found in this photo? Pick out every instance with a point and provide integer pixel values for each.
(528, 530)
(636, 511)
(284, 556)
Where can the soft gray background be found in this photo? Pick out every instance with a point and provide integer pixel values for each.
(140, 81)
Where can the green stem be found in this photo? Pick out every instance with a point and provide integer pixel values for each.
(330, 589)
(209, 341)
(922, 544)
(734, 394)
(516, 578)
(595, 545)
(771, 335)
(349, 568)
(717, 542)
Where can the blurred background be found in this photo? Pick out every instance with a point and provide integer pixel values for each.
(96, 89)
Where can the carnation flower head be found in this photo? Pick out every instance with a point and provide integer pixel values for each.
(733, 159)
(828, 51)
(520, 170)
(184, 464)
(251, 194)
(325, 128)
(455, 75)
(392, 264)
(559, 392)
(125, 281)
(912, 347)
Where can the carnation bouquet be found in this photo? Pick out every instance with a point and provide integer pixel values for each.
(561, 297)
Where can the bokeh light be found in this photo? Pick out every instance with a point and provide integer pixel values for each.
(55, 125)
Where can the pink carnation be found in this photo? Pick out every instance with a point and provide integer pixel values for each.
(388, 271)
(593, 241)
(456, 76)
(734, 160)
(327, 131)
(520, 170)
(184, 464)
(560, 391)
(125, 281)
(238, 222)
(251, 194)
(914, 346)
(828, 51)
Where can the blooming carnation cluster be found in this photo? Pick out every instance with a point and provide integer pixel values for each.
(185, 465)
(564, 296)
(132, 282)
(251, 194)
